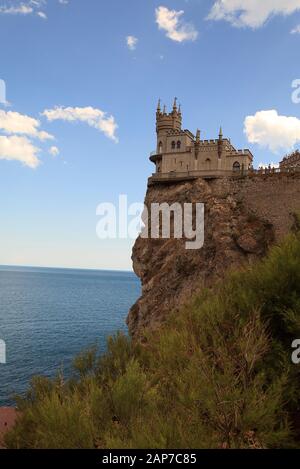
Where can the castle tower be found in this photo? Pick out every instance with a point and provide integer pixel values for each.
(166, 122)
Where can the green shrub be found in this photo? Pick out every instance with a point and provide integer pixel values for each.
(217, 375)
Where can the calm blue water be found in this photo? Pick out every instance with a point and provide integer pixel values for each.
(49, 315)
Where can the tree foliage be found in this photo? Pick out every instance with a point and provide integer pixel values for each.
(217, 375)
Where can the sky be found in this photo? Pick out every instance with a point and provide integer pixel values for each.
(79, 85)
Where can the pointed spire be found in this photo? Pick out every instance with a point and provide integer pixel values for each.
(220, 144)
(175, 105)
(198, 136)
(158, 106)
(165, 109)
(179, 109)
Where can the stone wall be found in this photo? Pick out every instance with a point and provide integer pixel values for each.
(274, 197)
(243, 217)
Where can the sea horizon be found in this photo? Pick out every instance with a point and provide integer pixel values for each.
(49, 315)
(36, 267)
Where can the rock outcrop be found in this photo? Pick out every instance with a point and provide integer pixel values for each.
(243, 217)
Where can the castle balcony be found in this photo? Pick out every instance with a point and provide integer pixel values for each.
(174, 176)
(154, 156)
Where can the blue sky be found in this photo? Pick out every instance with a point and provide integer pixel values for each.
(79, 122)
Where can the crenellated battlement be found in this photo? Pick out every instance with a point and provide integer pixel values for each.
(241, 152)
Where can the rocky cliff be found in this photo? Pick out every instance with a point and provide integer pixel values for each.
(242, 218)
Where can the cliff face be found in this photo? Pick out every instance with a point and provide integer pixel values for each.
(242, 218)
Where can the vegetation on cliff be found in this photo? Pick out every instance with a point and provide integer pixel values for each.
(217, 375)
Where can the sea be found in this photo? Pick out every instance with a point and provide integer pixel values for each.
(48, 316)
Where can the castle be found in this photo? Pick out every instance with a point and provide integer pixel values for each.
(291, 161)
(181, 155)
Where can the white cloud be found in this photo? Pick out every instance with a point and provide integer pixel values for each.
(269, 129)
(54, 151)
(176, 28)
(42, 15)
(93, 117)
(26, 7)
(131, 42)
(19, 149)
(17, 144)
(296, 30)
(251, 13)
(16, 123)
(266, 166)
(21, 9)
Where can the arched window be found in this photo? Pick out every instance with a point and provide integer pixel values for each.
(236, 167)
(160, 147)
(208, 164)
(173, 145)
(178, 144)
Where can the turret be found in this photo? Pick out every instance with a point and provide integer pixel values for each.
(158, 110)
(197, 144)
(165, 121)
(175, 105)
(220, 143)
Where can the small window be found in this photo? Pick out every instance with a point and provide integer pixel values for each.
(178, 144)
(160, 147)
(173, 145)
(236, 167)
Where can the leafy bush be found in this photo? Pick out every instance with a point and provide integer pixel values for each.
(217, 375)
